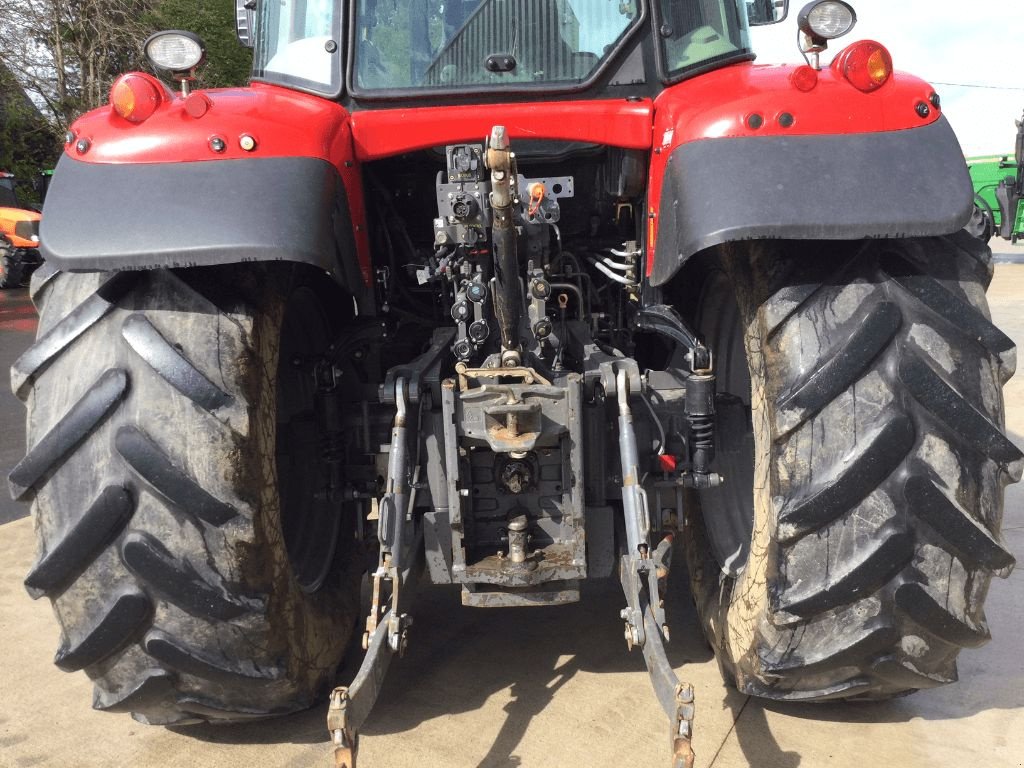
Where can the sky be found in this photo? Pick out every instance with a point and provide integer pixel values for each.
(951, 45)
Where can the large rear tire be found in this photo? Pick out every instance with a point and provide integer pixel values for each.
(157, 465)
(852, 557)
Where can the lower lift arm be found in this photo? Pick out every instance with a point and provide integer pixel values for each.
(639, 570)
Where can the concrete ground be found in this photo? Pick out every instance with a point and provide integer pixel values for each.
(17, 329)
(545, 688)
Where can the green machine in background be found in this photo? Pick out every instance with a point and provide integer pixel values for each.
(999, 193)
(42, 183)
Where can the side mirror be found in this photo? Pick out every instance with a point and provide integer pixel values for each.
(245, 22)
(762, 12)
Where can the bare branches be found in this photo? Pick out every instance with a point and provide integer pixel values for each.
(66, 53)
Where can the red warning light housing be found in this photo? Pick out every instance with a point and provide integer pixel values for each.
(867, 65)
(136, 96)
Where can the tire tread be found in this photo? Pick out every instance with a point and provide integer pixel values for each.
(875, 572)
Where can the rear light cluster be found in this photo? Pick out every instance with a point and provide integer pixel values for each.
(867, 65)
(136, 96)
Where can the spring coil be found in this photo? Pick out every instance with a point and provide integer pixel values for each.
(702, 432)
(332, 446)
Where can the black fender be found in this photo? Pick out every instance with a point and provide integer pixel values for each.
(139, 216)
(907, 183)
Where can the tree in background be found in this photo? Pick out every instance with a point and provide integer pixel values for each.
(227, 62)
(65, 54)
(26, 139)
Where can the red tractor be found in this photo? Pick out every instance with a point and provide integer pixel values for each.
(507, 295)
(19, 236)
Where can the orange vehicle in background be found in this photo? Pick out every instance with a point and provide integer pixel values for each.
(19, 236)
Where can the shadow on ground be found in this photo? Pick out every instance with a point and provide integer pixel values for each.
(461, 656)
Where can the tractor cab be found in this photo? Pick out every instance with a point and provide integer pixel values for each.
(8, 195)
(465, 48)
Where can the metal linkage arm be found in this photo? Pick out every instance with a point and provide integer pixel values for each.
(675, 698)
(394, 504)
(634, 501)
(638, 571)
(395, 580)
(351, 705)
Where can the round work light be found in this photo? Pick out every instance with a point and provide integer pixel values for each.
(827, 20)
(176, 52)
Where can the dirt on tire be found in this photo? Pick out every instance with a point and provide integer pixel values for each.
(151, 470)
(879, 463)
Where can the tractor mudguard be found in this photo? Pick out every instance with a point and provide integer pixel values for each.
(831, 187)
(199, 214)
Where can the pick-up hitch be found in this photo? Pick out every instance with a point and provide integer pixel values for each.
(642, 567)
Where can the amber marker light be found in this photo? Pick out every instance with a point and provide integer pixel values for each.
(867, 65)
(135, 97)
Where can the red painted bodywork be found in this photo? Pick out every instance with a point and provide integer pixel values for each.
(284, 123)
(287, 123)
(719, 105)
(617, 123)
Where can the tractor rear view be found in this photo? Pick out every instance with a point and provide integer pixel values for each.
(469, 293)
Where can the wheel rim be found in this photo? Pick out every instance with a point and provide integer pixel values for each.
(310, 521)
(728, 511)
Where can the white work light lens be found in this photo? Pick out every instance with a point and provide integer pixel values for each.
(830, 19)
(174, 52)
